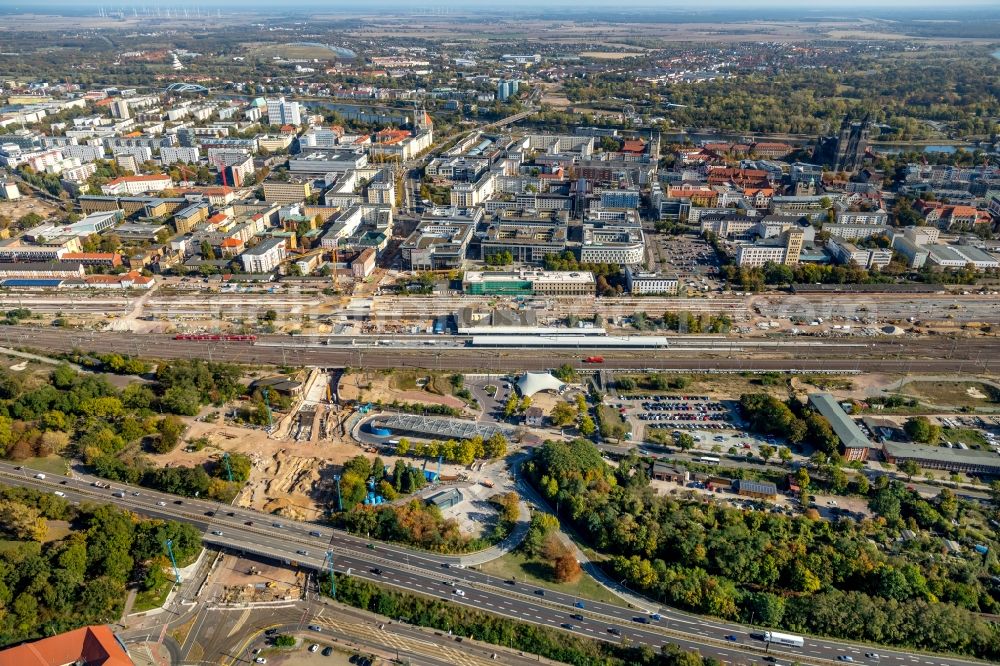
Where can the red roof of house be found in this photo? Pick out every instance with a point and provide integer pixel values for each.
(634, 146)
(392, 135)
(94, 646)
(231, 242)
(90, 255)
(138, 179)
(218, 218)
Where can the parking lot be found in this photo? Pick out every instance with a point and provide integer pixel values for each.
(689, 413)
(692, 259)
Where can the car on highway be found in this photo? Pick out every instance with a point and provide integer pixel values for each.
(567, 625)
(577, 617)
(731, 638)
(315, 533)
(270, 632)
(209, 513)
(655, 616)
(376, 571)
(40, 476)
(135, 493)
(327, 651)
(59, 493)
(313, 647)
(260, 660)
(846, 658)
(63, 483)
(315, 627)
(278, 525)
(216, 532)
(873, 656)
(458, 593)
(614, 631)
(302, 552)
(161, 503)
(771, 659)
(178, 502)
(249, 522)
(540, 593)
(640, 619)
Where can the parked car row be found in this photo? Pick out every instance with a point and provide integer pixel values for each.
(684, 406)
(686, 416)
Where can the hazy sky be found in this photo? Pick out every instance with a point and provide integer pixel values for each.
(333, 5)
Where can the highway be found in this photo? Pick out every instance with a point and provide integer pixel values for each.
(305, 544)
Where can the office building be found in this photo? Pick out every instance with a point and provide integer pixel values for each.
(529, 282)
(321, 162)
(611, 243)
(855, 445)
(785, 249)
(264, 257)
(642, 283)
(287, 192)
(846, 252)
(620, 199)
(527, 239)
(131, 185)
(438, 244)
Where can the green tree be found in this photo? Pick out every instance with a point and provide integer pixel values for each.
(563, 414)
(910, 468)
(685, 441)
(920, 429)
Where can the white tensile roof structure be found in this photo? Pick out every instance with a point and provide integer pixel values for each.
(531, 383)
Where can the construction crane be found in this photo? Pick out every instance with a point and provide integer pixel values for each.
(267, 404)
(170, 551)
(229, 470)
(333, 580)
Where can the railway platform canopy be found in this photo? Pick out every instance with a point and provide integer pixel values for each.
(442, 427)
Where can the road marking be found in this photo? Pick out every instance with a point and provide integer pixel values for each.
(240, 622)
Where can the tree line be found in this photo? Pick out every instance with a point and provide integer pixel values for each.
(842, 579)
(48, 586)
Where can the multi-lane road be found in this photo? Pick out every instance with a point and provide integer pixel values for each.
(306, 544)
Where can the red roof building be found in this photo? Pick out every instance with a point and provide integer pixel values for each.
(634, 146)
(91, 646)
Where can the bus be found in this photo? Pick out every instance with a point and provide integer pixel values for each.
(709, 460)
(783, 639)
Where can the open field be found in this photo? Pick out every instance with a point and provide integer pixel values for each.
(26, 204)
(609, 55)
(955, 395)
(519, 566)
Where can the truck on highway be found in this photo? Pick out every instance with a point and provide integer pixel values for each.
(594, 359)
(783, 639)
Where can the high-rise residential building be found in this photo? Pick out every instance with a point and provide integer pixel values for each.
(119, 109)
(503, 90)
(280, 112)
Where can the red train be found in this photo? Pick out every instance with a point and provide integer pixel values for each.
(215, 337)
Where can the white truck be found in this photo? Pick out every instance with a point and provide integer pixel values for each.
(783, 639)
